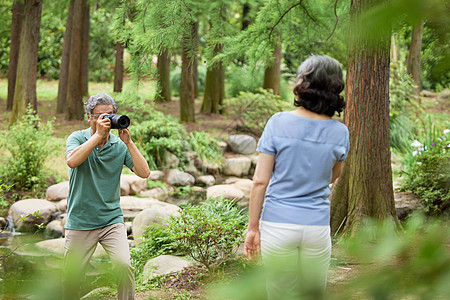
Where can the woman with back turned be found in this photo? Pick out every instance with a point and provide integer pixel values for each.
(300, 153)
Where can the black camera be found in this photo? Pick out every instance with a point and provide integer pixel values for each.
(118, 121)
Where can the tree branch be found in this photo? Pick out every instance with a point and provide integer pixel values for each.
(272, 28)
(337, 20)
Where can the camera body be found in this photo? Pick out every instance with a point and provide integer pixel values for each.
(118, 121)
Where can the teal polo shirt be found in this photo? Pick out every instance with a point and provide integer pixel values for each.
(94, 186)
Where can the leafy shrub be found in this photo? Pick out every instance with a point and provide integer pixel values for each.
(427, 172)
(210, 232)
(401, 96)
(243, 79)
(156, 241)
(159, 135)
(101, 46)
(28, 143)
(206, 148)
(3, 188)
(253, 110)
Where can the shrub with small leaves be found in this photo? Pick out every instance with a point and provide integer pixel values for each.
(210, 232)
(427, 173)
(253, 110)
(157, 136)
(156, 241)
(207, 149)
(29, 146)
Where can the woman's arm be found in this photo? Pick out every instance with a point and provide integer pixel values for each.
(261, 179)
(337, 171)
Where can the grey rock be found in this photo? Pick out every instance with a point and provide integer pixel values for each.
(162, 265)
(237, 166)
(157, 213)
(172, 161)
(156, 175)
(242, 144)
(62, 205)
(226, 191)
(136, 183)
(22, 212)
(178, 178)
(53, 229)
(160, 193)
(57, 191)
(205, 180)
(57, 246)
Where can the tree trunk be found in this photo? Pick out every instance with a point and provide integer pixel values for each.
(272, 74)
(74, 102)
(85, 53)
(245, 16)
(187, 97)
(25, 88)
(16, 26)
(195, 61)
(118, 69)
(64, 68)
(365, 188)
(163, 65)
(214, 86)
(414, 65)
(394, 50)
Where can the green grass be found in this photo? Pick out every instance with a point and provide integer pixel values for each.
(48, 90)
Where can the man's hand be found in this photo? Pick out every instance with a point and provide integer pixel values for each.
(252, 246)
(125, 135)
(103, 126)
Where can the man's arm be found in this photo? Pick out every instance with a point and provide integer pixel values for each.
(140, 165)
(82, 152)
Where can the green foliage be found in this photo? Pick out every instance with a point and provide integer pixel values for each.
(412, 263)
(253, 110)
(243, 79)
(159, 135)
(50, 45)
(156, 241)
(101, 46)
(427, 171)
(206, 148)
(3, 201)
(28, 143)
(210, 232)
(402, 101)
(386, 263)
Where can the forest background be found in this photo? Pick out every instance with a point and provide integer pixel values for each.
(195, 59)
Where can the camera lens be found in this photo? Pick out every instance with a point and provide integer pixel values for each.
(119, 121)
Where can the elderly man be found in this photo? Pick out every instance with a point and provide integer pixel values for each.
(96, 158)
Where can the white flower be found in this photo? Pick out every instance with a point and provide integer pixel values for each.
(446, 131)
(415, 153)
(416, 143)
(419, 163)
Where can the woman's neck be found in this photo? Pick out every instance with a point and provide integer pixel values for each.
(303, 112)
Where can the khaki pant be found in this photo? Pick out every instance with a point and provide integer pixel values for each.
(79, 247)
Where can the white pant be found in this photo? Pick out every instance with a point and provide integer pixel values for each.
(297, 258)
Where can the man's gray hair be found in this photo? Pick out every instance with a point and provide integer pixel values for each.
(101, 98)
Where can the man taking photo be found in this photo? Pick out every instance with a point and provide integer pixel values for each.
(96, 157)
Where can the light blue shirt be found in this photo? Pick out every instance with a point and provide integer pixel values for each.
(305, 152)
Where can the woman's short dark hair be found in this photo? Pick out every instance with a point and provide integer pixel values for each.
(319, 85)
